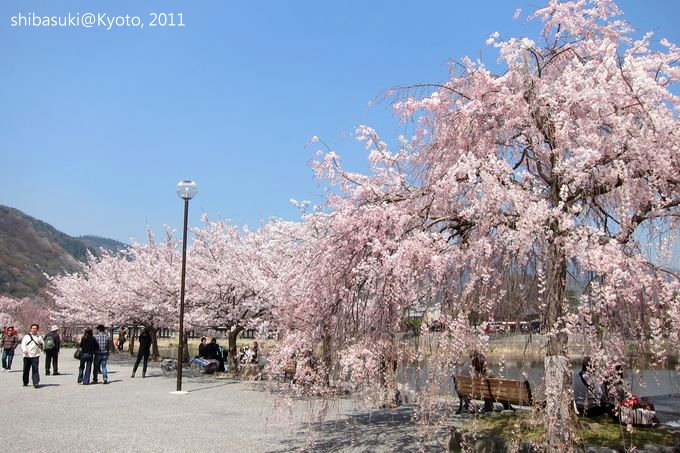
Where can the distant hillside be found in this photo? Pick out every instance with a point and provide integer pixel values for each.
(30, 247)
(96, 243)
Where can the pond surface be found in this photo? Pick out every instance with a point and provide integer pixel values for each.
(646, 382)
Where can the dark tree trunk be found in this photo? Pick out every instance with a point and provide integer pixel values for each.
(233, 353)
(112, 343)
(327, 357)
(133, 335)
(155, 353)
(185, 349)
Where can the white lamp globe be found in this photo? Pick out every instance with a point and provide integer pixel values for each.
(187, 189)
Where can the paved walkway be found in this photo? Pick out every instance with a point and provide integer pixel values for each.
(141, 415)
(217, 415)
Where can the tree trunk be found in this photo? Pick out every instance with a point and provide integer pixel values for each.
(113, 345)
(185, 349)
(133, 335)
(560, 416)
(155, 353)
(233, 353)
(327, 356)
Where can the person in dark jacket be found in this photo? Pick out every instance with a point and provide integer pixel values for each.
(143, 351)
(10, 340)
(88, 347)
(202, 348)
(52, 347)
(214, 352)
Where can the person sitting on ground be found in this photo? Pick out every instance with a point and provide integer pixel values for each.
(202, 348)
(589, 394)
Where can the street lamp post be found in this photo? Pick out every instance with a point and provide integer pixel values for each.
(186, 189)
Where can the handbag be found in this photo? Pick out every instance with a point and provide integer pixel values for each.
(639, 413)
(76, 355)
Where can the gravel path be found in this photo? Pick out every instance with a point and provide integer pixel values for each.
(217, 415)
(142, 415)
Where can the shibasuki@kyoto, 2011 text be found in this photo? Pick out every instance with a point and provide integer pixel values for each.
(97, 20)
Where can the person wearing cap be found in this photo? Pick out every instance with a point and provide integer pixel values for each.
(52, 346)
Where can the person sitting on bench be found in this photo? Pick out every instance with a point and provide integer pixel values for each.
(477, 368)
(214, 352)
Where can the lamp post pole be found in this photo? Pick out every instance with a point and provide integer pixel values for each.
(180, 348)
(186, 189)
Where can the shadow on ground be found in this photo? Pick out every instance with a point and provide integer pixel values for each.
(381, 430)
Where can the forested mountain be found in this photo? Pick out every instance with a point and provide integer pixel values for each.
(30, 248)
(97, 242)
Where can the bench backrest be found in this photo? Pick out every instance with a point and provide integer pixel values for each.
(497, 389)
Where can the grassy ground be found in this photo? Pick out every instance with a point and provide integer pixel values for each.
(603, 431)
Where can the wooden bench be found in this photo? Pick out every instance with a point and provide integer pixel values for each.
(506, 391)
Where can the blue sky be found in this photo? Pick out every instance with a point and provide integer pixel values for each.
(97, 127)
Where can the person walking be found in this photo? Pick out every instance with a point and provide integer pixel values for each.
(143, 352)
(101, 355)
(10, 340)
(88, 347)
(31, 345)
(122, 336)
(52, 347)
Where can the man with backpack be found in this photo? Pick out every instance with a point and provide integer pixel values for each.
(52, 346)
(31, 345)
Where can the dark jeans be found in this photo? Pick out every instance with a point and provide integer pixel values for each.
(141, 354)
(120, 344)
(220, 363)
(51, 357)
(7, 357)
(100, 361)
(32, 363)
(85, 368)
